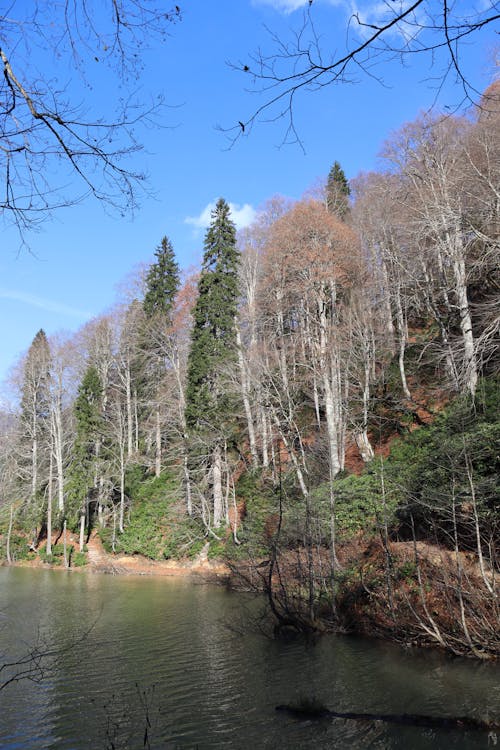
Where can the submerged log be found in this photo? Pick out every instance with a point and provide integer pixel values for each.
(417, 720)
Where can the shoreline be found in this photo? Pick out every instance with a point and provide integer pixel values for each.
(104, 563)
(362, 610)
(210, 571)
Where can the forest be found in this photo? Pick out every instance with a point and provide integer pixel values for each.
(317, 406)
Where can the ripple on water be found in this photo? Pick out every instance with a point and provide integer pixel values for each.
(158, 649)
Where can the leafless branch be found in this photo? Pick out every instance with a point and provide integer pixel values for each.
(54, 149)
(302, 64)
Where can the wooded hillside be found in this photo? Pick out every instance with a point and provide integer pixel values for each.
(323, 390)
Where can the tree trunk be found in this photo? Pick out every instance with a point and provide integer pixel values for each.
(470, 366)
(328, 373)
(218, 498)
(136, 423)
(9, 533)
(187, 482)
(245, 390)
(157, 442)
(34, 467)
(65, 549)
(402, 336)
(265, 439)
(82, 531)
(57, 444)
(48, 548)
(130, 420)
(122, 492)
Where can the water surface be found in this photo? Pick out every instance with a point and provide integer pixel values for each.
(173, 654)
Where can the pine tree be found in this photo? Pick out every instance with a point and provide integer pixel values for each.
(213, 342)
(337, 192)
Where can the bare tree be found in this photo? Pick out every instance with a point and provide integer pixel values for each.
(49, 132)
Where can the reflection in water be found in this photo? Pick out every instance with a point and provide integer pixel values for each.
(160, 650)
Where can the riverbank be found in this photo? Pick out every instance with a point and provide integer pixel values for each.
(412, 593)
(102, 562)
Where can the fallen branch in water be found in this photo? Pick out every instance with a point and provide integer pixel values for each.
(417, 720)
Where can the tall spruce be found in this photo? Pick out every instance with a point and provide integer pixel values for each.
(337, 192)
(162, 286)
(34, 445)
(213, 339)
(82, 474)
(162, 281)
(213, 343)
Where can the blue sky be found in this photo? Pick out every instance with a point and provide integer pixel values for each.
(77, 260)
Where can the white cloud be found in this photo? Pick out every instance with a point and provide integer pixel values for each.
(289, 6)
(375, 12)
(241, 215)
(284, 6)
(44, 304)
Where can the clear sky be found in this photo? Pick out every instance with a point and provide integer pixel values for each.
(77, 260)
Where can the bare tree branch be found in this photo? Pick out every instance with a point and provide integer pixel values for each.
(54, 148)
(305, 64)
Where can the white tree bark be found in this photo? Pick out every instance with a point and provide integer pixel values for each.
(218, 497)
(49, 509)
(82, 531)
(245, 391)
(157, 441)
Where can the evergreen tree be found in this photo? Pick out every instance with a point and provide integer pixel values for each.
(213, 339)
(83, 469)
(213, 345)
(162, 281)
(34, 444)
(337, 192)
(162, 286)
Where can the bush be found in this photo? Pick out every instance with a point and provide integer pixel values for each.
(359, 503)
(49, 559)
(19, 548)
(259, 497)
(449, 460)
(56, 556)
(157, 527)
(79, 559)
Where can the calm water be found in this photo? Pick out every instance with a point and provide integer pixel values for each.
(174, 652)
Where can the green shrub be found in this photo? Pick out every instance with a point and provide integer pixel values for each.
(50, 559)
(436, 464)
(79, 559)
(158, 526)
(56, 555)
(261, 503)
(359, 503)
(19, 548)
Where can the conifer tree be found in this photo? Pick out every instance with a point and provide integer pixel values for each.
(162, 286)
(337, 192)
(162, 281)
(83, 469)
(34, 443)
(35, 414)
(213, 342)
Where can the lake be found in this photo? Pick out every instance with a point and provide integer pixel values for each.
(180, 659)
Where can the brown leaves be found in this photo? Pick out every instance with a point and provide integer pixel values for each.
(308, 246)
